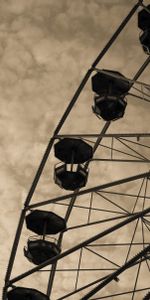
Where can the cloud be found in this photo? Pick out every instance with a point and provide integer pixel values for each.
(45, 48)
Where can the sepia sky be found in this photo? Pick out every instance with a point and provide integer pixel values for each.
(46, 46)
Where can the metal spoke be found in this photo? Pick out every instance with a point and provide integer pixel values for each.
(101, 256)
(117, 244)
(143, 233)
(121, 160)
(125, 194)
(90, 208)
(139, 97)
(78, 269)
(95, 223)
(144, 222)
(112, 202)
(82, 270)
(142, 156)
(132, 239)
(133, 142)
(136, 201)
(122, 152)
(143, 239)
(120, 294)
(136, 280)
(142, 92)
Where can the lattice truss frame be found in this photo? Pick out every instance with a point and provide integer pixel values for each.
(100, 213)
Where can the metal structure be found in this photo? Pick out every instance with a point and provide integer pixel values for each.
(101, 213)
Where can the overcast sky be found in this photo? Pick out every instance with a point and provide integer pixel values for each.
(46, 46)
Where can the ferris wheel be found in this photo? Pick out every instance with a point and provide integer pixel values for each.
(92, 241)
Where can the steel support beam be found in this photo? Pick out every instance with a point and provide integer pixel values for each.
(107, 135)
(115, 274)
